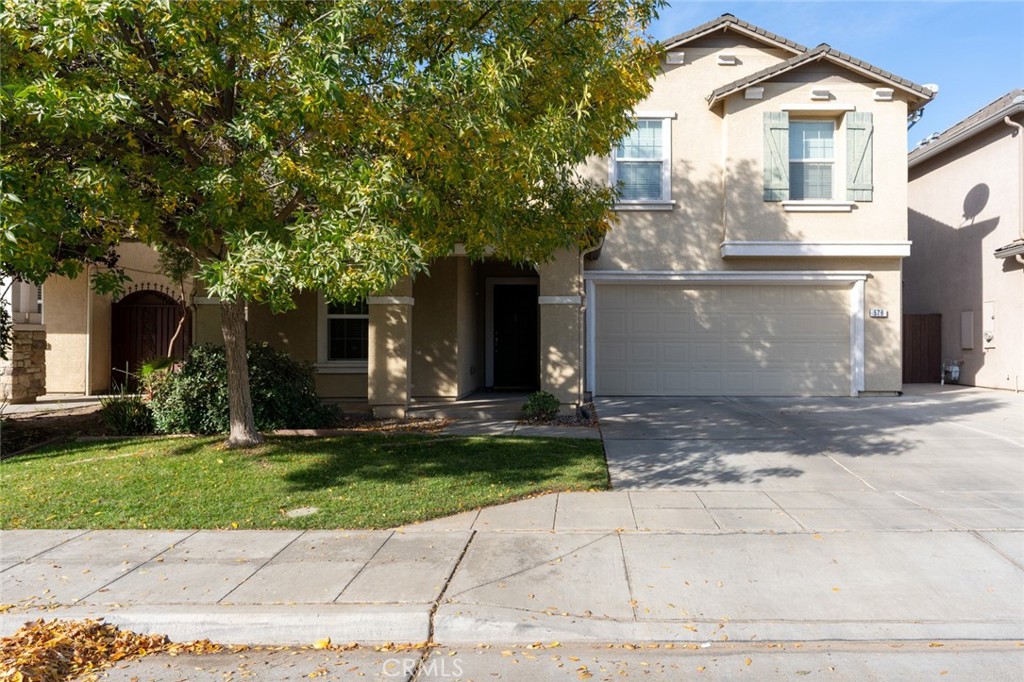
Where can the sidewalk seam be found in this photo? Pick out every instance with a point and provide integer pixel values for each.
(134, 568)
(363, 567)
(984, 540)
(437, 604)
(261, 567)
(629, 583)
(48, 549)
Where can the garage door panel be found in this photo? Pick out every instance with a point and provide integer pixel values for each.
(671, 339)
(675, 323)
(643, 323)
(612, 381)
(643, 382)
(673, 352)
(611, 323)
(736, 299)
(614, 296)
(705, 324)
(614, 352)
(707, 353)
(644, 297)
(643, 352)
(675, 383)
(706, 383)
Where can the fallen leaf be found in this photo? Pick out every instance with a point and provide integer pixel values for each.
(747, 661)
(322, 643)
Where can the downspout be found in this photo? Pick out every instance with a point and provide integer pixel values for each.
(582, 327)
(1020, 194)
(88, 332)
(1020, 177)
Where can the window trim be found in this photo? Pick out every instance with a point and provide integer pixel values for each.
(325, 365)
(665, 203)
(822, 202)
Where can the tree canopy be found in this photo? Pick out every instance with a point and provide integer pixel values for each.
(336, 146)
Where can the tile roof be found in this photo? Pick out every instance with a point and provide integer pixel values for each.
(726, 21)
(823, 51)
(969, 126)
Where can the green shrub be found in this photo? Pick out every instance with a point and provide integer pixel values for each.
(126, 414)
(541, 406)
(194, 398)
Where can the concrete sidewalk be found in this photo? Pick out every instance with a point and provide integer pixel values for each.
(571, 567)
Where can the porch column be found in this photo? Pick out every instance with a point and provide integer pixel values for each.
(390, 353)
(560, 330)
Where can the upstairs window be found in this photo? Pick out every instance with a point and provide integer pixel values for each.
(641, 164)
(805, 161)
(811, 159)
(348, 331)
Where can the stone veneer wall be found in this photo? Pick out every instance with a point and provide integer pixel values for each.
(23, 377)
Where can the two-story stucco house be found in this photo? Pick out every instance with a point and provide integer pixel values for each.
(763, 221)
(966, 198)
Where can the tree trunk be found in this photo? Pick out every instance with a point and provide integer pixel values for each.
(243, 432)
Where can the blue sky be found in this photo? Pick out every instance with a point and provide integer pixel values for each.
(974, 51)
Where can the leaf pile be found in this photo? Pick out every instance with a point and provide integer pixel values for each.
(60, 650)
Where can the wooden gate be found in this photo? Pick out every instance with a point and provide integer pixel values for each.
(141, 327)
(922, 349)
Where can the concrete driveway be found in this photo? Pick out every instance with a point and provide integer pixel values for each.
(933, 439)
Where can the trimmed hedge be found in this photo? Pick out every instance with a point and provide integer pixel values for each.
(194, 397)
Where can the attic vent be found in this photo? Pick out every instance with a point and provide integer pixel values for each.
(821, 94)
(884, 94)
(727, 59)
(675, 58)
(753, 93)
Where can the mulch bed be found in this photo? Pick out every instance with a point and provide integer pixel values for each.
(585, 415)
(19, 432)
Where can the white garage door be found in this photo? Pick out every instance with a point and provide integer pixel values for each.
(672, 339)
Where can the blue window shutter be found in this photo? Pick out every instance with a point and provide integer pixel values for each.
(859, 133)
(776, 156)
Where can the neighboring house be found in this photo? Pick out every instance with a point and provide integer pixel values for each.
(94, 343)
(763, 216)
(966, 214)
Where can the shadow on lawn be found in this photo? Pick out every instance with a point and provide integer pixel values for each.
(508, 462)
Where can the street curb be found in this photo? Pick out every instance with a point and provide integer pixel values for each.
(284, 625)
(460, 624)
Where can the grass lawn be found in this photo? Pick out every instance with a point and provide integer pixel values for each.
(358, 481)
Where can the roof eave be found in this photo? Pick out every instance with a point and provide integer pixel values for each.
(920, 98)
(941, 145)
(673, 43)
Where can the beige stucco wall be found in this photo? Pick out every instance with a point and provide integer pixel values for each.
(749, 217)
(469, 307)
(390, 353)
(295, 332)
(435, 371)
(964, 204)
(717, 184)
(561, 341)
(67, 305)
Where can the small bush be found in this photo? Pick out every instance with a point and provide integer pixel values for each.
(194, 398)
(126, 414)
(541, 406)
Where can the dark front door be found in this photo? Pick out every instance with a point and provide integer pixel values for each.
(922, 349)
(141, 327)
(516, 345)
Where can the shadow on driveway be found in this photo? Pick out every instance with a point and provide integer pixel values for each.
(936, 438)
